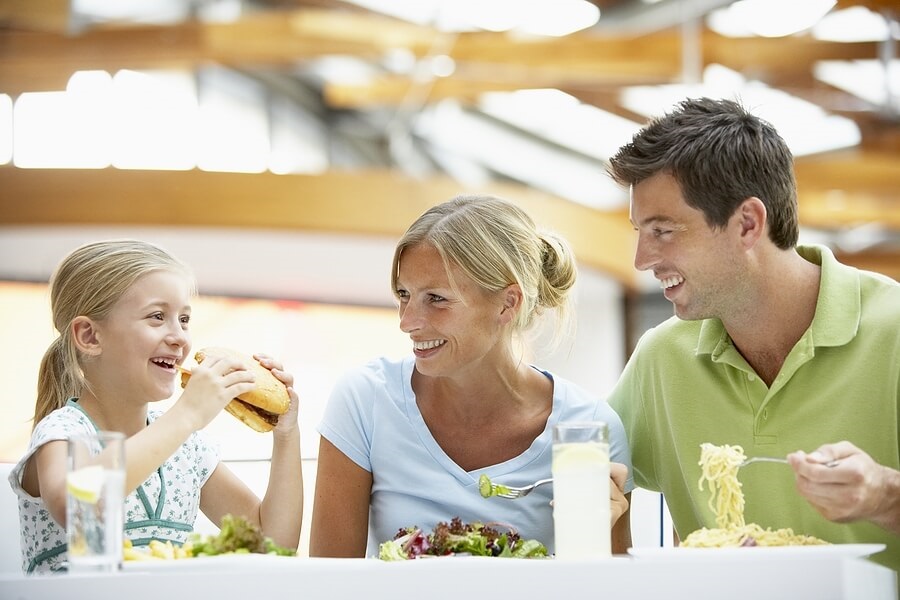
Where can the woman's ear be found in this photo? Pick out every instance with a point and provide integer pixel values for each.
(86, 336)
(512, 302)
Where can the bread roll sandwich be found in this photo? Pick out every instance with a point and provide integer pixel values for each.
(259, 408)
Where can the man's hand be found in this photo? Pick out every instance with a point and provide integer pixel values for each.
(857, 488)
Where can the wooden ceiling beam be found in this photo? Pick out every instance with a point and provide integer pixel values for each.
(42, 15)
(884, 262)
(873, 172)
(378, 203)
(33, 60)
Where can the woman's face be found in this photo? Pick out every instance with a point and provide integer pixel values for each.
(454, 326)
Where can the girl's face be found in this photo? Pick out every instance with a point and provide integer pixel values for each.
(145, 335)
(453, 328)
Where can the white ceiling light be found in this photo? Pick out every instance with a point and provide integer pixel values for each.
(854, 24)
(562, 119)
(866, 79)
(805, 127)
(518, 156)
(535, 17)
(768, 18)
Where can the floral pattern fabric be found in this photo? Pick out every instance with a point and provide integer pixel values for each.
(163, 508)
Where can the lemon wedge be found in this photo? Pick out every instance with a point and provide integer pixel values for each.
(576, 456)
(86, 483)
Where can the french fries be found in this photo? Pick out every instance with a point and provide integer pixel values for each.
(157, 551)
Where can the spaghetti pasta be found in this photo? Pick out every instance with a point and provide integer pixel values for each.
(719, 468)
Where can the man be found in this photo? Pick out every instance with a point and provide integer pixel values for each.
(777, 348)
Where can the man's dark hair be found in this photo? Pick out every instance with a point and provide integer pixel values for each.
(720, 155)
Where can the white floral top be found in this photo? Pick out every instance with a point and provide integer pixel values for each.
(164, 507)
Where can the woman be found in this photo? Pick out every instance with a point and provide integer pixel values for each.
(404, 442)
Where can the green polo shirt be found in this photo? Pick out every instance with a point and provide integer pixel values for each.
(686, 384)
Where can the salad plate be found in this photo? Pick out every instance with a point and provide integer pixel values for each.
(756, 552)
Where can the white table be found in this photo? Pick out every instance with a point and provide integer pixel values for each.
(265, 578)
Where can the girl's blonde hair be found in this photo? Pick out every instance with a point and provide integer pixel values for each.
(89, 282)
(497, 244)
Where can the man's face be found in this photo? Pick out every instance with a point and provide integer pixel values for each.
(698, 266)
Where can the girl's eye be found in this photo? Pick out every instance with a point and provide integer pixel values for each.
(185, 319)
(158, 316)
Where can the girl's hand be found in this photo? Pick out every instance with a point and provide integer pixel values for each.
(213, 384)
(287, 423)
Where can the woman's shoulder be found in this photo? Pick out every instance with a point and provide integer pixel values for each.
(379, 371)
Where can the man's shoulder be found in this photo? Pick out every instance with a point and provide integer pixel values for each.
(672, 332)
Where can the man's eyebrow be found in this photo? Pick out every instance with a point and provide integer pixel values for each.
(655, 219)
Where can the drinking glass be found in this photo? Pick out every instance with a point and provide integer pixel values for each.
(95, 496)
(581, 505)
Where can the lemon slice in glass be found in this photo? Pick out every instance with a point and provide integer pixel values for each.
(86, 483)
(579, 456)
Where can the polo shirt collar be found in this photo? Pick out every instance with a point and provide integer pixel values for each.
(837, 309)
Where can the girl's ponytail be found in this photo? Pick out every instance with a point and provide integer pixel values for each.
(59, 377)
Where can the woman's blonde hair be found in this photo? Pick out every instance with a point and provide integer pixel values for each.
(89, 282)
(497, 244)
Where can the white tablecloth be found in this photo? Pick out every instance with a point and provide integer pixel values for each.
(266, 578)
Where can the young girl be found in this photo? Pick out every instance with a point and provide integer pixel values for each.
(122, 310)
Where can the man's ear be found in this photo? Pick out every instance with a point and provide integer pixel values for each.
(86, 336)
(752, 216)
(512, 302)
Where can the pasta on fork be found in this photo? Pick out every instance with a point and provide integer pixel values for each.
(719, 466)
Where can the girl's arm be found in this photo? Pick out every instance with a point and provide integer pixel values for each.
(340, 522)
(280, 513)
(213, 385)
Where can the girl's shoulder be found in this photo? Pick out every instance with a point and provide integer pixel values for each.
(62, 424)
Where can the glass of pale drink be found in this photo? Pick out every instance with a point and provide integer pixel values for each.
(581, 505)
(95, 497)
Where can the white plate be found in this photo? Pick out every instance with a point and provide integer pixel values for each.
(801, 552)
(211, 563)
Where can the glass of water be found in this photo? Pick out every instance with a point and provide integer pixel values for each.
(95, 496)
(581, 504)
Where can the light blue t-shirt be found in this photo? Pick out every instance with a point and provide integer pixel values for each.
(372, 417)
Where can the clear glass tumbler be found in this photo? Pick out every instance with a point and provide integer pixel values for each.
(95, 496)
(581, 505)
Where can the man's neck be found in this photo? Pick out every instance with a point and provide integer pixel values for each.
(778, 316)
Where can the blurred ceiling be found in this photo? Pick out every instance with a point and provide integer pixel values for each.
(413, 113)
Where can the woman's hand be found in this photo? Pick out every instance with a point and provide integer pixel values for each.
(618, 503)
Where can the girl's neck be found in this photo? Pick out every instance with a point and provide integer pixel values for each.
(113, 416)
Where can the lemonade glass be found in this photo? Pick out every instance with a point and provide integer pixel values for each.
(581, 504)
(95, 495)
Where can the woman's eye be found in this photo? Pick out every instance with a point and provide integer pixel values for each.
(402, 294)
(436, 298)
(661, 232)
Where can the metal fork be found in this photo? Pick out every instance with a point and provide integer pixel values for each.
(511, 493)
(750, 461)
